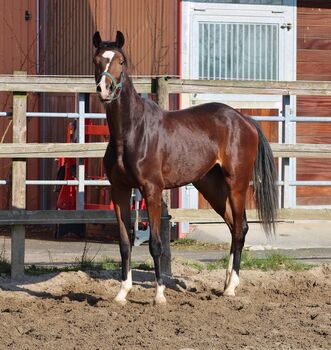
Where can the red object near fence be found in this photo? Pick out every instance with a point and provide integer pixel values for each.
(67, 171)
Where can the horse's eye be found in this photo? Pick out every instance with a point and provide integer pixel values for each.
(121, 62)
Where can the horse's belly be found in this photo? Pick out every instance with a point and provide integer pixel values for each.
(185, 172)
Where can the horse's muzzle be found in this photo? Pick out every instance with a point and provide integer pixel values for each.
(105, 100)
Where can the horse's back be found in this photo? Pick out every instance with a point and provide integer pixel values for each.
(201, 136)
(215, 119)
(212, 111)
(210, 108)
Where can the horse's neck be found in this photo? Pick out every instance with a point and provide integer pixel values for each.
(123, 110)
(122, 115)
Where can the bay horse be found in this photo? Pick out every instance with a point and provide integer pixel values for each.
(212, 146)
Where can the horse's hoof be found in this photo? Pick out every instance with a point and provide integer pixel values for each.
(160, 301)
(120, 301)
(229, 293)
(159, 297)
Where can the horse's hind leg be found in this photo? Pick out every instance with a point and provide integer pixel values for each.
(121, 200)
(239, 229)
(230, 264)
(227, 197)
(235, 218)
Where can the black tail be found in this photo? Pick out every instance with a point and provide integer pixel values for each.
(264, 184)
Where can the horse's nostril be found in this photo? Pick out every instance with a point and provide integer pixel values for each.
(98, 89)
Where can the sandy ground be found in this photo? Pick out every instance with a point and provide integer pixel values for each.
(273, 310)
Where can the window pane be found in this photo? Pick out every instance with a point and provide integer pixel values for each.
(238, 51)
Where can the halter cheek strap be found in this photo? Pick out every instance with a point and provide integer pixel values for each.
(117, 86)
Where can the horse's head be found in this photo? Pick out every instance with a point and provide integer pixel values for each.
(109, 60)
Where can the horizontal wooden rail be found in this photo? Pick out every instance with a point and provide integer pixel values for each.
(86, 84)
(72, 84)
(301, 150)
(302, 88)
(53, 150)
(25, 217)
(209, 215)
(97, 149)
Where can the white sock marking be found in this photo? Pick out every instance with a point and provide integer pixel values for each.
(233, 283)
(228, 271)
(159, 297)
(126, 286)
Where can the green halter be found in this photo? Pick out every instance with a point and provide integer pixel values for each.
(117, 86)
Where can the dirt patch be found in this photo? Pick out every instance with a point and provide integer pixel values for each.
(273, 310)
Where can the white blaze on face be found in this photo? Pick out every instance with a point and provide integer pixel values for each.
(104, 92)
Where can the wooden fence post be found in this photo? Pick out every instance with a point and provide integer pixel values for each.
(163, 93)
(163, 100)
(18, 183)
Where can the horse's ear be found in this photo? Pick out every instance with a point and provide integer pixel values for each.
(119, 39)
(97, 40)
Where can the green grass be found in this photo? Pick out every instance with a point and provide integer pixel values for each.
(105, 264)
(193, 244)
(146, 265)
(34, 270)
(272, 262)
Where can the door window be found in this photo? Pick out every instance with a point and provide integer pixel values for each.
(241, 51)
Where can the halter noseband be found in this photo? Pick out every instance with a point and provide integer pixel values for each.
(117, 86)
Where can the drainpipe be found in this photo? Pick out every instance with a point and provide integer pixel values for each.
(179, 38)
(179, 73)
(38, 38)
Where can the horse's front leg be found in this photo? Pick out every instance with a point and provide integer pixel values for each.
(153, 195)
(121, 199)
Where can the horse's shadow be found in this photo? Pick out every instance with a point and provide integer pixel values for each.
(139, 277)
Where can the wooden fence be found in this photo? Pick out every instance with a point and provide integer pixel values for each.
(19, 151)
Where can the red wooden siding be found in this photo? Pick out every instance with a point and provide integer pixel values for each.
(67, 29)
(149, 26)
(314, 53)
(18, 53)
